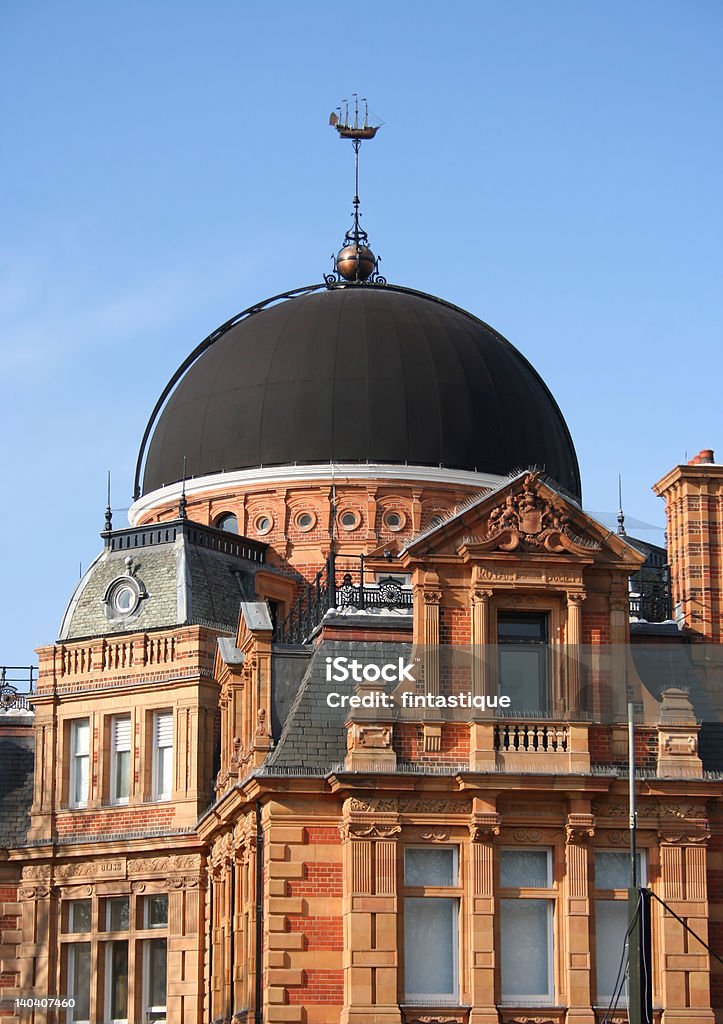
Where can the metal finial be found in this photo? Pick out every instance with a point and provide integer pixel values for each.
(621, 514)
(355, 262)
(108, 510)
(182, 503)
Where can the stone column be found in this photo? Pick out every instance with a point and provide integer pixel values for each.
(580, 828)
(484, 827)
(370, 905)
(480, 625)
(574, 642)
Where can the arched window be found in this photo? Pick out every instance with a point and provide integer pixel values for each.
(227, 522)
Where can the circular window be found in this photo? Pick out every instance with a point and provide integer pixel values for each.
(227, 522)
(394, 521)
(349, 520)
(123, 597)
(263, 524)
(305, 520)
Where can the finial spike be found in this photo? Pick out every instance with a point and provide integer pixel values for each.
(108, 510)
(621, 514)
(182, 514)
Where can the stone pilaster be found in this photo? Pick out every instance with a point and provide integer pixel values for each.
(480, 626)
(370, 906)
(484, 827)
(579, 829)
(685, 965)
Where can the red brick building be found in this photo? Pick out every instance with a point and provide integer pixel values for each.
(218, 824)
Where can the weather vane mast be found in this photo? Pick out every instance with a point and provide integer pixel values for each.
(355, 262)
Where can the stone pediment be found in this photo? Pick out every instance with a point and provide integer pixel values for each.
(524, 515)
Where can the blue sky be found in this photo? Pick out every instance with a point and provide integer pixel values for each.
(553, 167)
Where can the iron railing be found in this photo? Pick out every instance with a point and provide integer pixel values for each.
(650, 594)
(315, 599)
(12, 677)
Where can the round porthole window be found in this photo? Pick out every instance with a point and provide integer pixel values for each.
(123, 597)
(305, 521)
(349, 520)
(263, 524)
(394, 521)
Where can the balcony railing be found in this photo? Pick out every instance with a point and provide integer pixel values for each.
(12, 678)
(315, 599)
(650, 594)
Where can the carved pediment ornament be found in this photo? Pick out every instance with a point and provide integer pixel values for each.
(427, 1019)
(406, 805)
(529, 520)
(434, 837)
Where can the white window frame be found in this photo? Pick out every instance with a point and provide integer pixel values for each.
(114, 798)
(108, 980)
(611, 897)
(147, 911)
(156, 792)
(540, 894)
(75, 758)
(71, 947)
(538, 999)
(147, 1009)
(438, 998)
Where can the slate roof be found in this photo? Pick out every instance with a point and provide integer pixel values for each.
(186, 581)
(664, 665)
(16, 788)
(313, 735)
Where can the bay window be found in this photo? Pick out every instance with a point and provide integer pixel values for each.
(431, 924)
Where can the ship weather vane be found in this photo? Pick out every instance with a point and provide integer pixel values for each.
(355, 262)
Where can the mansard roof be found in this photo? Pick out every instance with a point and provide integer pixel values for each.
(183, 572)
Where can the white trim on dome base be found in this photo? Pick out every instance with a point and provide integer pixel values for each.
(337, 472)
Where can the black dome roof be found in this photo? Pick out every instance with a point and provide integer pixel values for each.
(356, 374)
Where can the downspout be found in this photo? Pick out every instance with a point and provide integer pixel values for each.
(210, 946)
(258, 1011)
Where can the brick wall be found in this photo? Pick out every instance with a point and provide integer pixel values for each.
(9, 947)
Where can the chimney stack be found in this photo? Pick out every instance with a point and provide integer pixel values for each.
(693, 495)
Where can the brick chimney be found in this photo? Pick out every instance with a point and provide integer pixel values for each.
(693, 496)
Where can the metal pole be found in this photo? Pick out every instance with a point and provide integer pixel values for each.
(631, 797)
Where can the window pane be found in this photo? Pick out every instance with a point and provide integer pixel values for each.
(122, 774)
(612, 869)
(435, 866)
(520, 869)
(118, 981)
(79, 979)
(430, 946)
(79, 912)
(80, 789)
(118, 917)
(81, 736)
(526, 928)
(611, 924)
(156, 908)
(156, 972)
(521, 627)
(523, 677)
